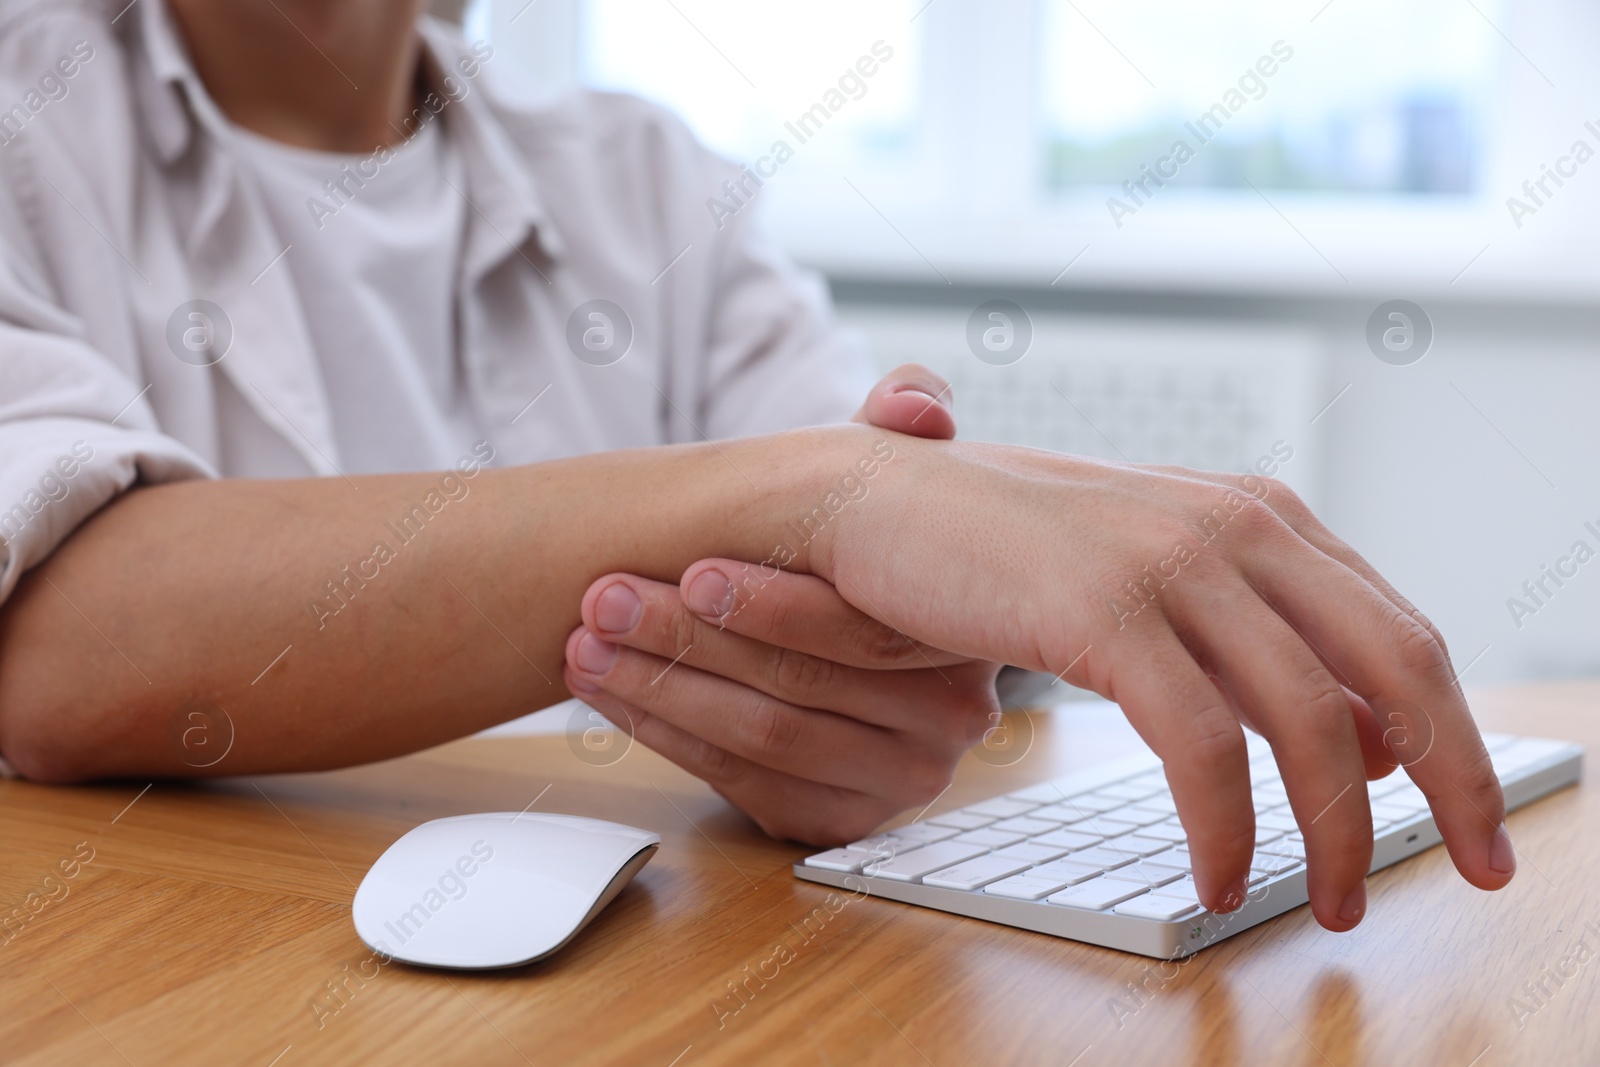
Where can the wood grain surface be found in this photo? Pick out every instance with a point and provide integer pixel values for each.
(211, 924)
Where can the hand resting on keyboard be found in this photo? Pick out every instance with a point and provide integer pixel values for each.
(1201, 603)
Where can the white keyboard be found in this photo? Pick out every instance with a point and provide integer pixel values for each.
(1100, 857)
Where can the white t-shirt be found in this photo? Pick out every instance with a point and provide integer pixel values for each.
(375, 259)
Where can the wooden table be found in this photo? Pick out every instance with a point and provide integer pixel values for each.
(211, 920)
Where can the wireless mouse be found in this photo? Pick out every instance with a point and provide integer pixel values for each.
(495, 890)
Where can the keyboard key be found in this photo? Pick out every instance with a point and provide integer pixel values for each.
(1289, 849)
(1160, 802)
(1169, 859)
(923, 834)
(1060, 813)
(1026, 825)
(1097, 894)
(1156, 779)
(1032, 851)
(1149, 906)
(1086, 804)
(1266, 835)
(882, 844)
(1130, 790)
(990, 838)
(1067, 872)
(848, 860)
(1146, 876)
(1104, 857)
(1164, 832)
(1105, 827)
(911, 866)
(1274, 820)
(1407, 795)
(975, 873)
(1137, 816)
(1269, 864)
(1030, 886)
(1001, 807)
(1138, 844)
(1183, 889)
(1068, 839)
(962, 820)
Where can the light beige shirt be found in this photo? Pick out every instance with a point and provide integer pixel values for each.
(122, 203)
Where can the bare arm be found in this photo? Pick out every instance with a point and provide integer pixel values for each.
(1198, 602)
(186, 592)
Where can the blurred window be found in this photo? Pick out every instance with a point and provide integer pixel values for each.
(1378, 96)
(745, 75)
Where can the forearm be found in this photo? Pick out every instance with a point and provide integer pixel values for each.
(400, 632)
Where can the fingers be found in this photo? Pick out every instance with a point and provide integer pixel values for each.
(911, 399)
(1378, 761)
(1395, 662)
(1293, 511)
(818, 745)
(1182, 717)
(782, 805)
(650, 617)
(800, 612)
(1303, 712)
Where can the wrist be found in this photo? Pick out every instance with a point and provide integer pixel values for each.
(820, 482)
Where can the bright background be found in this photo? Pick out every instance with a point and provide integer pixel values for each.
(1230, 311)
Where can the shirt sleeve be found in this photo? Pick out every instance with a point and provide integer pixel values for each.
(777, 358)
(75, 429)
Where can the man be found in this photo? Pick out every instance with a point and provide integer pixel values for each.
(293, 243)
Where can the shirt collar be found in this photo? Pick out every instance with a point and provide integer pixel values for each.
(177, 109)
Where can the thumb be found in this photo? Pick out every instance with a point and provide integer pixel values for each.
(912, 400)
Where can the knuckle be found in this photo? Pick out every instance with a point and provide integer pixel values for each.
(669, 625)
(1255, 515)
(774, 729)
(880, 645)
(1323, 706)
(795, 673)
(1418, 648)
(717, 765)
(1215, 738)
(1282, 495)
(1427, 624)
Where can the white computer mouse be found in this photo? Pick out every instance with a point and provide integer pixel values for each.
(495, 890)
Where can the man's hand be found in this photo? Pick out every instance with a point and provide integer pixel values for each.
(1195, 601)
(814, 719)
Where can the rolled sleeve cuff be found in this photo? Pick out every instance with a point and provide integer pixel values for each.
(56, 472)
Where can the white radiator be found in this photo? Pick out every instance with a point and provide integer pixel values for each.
(1199, 393)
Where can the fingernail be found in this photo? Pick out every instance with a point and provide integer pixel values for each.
(617, 610)
(710, 594)
(595, 656)
(1355, 905)
(916, 389)
(1502, 857)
